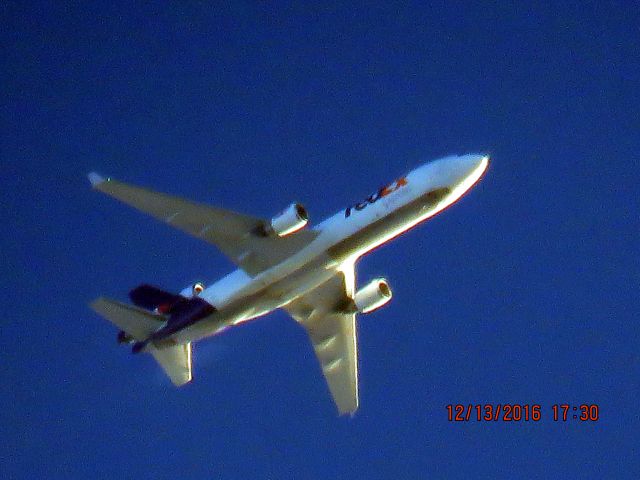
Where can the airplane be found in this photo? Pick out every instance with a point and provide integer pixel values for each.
(308, 272)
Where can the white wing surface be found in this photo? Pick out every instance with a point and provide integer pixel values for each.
(332, 331)
(236, 235)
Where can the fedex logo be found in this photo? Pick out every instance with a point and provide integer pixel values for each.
(371, 199)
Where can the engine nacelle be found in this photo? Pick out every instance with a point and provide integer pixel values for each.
(193, 290)
(291, 220)
(197, 288)
(373, 296)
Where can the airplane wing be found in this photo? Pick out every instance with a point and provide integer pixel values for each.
(235, 234)
(333, 335)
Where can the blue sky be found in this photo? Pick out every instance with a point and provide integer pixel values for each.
(526, 291)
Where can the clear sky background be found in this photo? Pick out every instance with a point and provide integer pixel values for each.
(526, 291)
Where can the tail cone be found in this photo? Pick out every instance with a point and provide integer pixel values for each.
(138, 347)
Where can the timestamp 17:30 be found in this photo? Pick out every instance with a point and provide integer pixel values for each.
(513, 412)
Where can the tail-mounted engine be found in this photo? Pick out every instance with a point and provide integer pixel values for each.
(197, 289)
(291, 220)
(193, 290)
(372, 296)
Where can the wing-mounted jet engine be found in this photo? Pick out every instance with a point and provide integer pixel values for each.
(309, 273)
(372, 296)
(292, 219)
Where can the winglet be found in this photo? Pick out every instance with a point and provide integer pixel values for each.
(96, 179)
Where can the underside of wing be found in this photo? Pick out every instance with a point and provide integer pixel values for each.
(237, 235)
(332, 331)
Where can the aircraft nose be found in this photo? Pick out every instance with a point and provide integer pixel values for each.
(466, 170)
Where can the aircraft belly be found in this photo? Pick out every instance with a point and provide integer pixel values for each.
(272, 296)
(282, 286)
(383, 229)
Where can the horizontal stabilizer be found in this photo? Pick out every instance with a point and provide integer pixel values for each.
(150, 297)
(136, 322)
(95, 179)
(176, 362)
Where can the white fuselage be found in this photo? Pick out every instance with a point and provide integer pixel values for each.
(342, 239)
